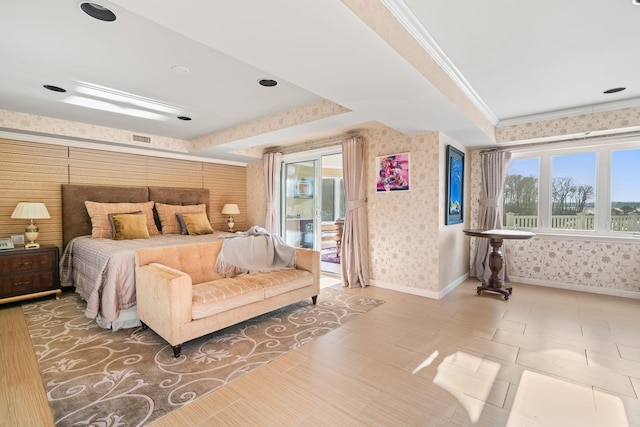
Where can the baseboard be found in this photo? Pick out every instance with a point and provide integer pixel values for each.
(421, 292)
(572, 287)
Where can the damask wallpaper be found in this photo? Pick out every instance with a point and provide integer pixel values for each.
(575, 125)
(585, 263)
(403, 226)
(65, 128)
(256, 194)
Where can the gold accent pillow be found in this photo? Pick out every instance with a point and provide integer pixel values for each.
(100, 224)
(197, 223)
(167, 214)
(110, 216)
(130, 226)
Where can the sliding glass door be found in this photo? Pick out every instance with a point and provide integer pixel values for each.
(300, 200)
(313, 204)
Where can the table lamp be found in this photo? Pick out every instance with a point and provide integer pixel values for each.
(31, 211)
(230, 209)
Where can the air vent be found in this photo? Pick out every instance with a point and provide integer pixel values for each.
(140, 138)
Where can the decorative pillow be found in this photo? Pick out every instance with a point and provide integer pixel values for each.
(130, 226)
(100, 225)
(197, 223)
(167, 214)
(183, 226)
(110, 216)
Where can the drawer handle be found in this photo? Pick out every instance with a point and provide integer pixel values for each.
(21, 263)
(26, 282)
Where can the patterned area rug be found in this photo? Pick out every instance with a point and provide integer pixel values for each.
(94, 376)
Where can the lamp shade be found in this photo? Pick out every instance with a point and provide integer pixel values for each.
(30, 210)
(230, 209)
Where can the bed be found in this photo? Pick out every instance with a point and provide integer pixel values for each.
(102, 269)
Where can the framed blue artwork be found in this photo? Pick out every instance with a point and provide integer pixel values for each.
(455, 186)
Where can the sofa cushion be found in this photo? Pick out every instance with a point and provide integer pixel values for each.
(281, 281)
(220, 295)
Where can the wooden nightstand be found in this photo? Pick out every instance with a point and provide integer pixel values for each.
(29, 273)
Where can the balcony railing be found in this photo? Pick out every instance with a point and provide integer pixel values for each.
(579, 221)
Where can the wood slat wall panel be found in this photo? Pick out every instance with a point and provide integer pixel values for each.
(18, 161)
(34, 172)
(105, 156)
(226, 184)
(107, 168)
(23, 148)
(174, 173)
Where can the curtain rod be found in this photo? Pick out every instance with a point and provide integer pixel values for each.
(312, 145)
(603, 137)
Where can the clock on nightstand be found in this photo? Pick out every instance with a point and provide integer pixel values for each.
(29, 273)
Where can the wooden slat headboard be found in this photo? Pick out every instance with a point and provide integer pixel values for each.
(76, 221)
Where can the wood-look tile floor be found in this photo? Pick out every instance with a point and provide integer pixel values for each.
(546, 357)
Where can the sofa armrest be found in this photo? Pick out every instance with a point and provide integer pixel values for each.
(309, 260)
(163, 297)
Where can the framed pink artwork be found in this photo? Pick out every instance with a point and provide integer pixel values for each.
(393, 172)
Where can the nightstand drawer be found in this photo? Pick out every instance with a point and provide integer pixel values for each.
(18, 284)
(26, 262)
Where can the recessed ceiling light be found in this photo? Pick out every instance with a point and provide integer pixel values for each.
(267, 82)
(635, 2)
(614, 90)
(54, 88)
(185, 118)
(97, 11)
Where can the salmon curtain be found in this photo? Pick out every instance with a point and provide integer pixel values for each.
(272, 163)
(355, 243)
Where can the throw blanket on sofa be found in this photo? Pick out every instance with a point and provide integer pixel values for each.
(253, 252)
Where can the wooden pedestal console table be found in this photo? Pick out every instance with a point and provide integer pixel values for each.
(496, 258)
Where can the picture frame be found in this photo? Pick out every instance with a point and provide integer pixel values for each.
(454, 207)
(393, 172)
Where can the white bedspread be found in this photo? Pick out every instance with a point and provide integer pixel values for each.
(103, 270)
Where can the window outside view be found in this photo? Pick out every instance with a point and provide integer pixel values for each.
(573, 191)
(572, 196)
(520, 194)
(625, 192)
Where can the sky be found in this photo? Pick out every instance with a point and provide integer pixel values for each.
(625, 171)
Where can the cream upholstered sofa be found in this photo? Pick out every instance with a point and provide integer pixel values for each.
(181, 297)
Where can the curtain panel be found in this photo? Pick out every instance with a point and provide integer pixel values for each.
(355, 238)
(272, 163)
(494, 167)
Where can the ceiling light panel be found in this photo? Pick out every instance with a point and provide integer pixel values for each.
(96, 104)
(111, 94)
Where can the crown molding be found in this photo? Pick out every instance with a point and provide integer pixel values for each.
(409, 21)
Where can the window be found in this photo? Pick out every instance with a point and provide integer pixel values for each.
(574, 189)
(520, 194)
(573, 180)
(625, 194)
